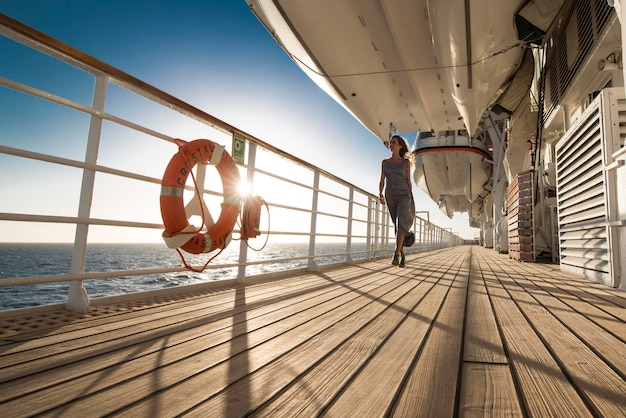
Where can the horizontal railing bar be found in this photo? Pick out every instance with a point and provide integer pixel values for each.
(363, 221)
(305, 186)
(78, 164)
(332, 215)
(317, 234)
(109, 222)
(20, 217)
(284, 179)
(307, 210)
(288, 207)
(22, 281)
(322, 191)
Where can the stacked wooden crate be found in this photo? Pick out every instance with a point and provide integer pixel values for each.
(520, 200)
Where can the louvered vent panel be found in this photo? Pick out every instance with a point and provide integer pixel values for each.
(621, 111)
(581, 201)
(588, 19)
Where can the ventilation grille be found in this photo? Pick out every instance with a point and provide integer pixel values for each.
(585, 244)
(584, 21)
(620, 140)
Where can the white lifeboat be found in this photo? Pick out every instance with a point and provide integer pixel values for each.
(453, 169)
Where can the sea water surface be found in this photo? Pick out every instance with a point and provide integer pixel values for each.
(25, 260)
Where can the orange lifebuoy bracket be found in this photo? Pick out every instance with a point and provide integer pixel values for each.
(178, 232)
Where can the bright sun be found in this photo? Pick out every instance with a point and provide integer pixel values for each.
(244, 188)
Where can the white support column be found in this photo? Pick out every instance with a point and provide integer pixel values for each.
(500, 226)
(614, 160)
(619, 224)
(77, 299)
(499, 181)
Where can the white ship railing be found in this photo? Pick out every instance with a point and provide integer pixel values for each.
(332, 210)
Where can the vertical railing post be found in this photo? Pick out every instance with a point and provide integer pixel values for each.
(424, 239)
(77, 298)
(243, 245)
(430, 231)
(349, 231)
(372, 227)
(316, 184)
(418, 232)
(385, 222)
(384, 229)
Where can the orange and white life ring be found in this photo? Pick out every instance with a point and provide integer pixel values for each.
(178, 232)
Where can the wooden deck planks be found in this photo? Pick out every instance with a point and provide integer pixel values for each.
(112, 348)
(545, 389)
(488, 390)
(431, 388)
(377, 308)
(459, 332)
(285, 348)
(575, 358)
(217, 366)
(548, 357)
(336, 370)
(182, 346)
(345, 348)
(482, 338)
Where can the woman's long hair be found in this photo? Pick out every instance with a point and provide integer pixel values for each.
(404, 147)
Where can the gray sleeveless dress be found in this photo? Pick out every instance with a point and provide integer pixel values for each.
(398, 195)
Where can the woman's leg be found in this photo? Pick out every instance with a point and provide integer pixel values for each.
(399, 243)
(405, 217)
(400, 248)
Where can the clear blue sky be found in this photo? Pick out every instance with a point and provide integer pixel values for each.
(216, 56)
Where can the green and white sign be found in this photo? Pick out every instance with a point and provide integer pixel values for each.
(239, 148)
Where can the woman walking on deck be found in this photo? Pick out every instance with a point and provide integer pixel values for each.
(396, 173)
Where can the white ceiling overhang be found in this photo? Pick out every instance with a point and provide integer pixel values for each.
(418, 65)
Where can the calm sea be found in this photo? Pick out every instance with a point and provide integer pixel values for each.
(22, 260)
